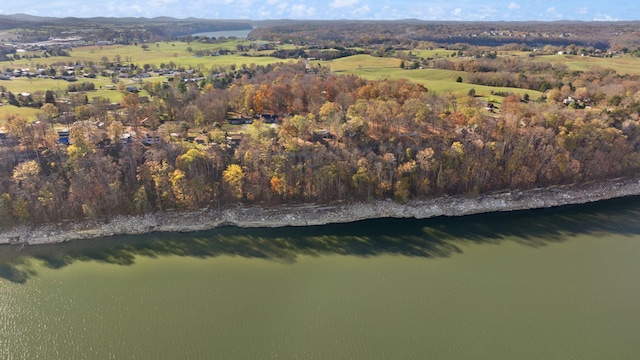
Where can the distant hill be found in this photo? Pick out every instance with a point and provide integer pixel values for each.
(162, 26)
(103, 19)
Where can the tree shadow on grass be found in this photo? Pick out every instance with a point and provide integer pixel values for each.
(429, 238)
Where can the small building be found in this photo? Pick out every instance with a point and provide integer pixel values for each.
(201, 139)
(268, 118)
(150, 139)
(234, 139)
(126, 139)
(240, 120)
(322, 134)
(63, 136)
(3, 138)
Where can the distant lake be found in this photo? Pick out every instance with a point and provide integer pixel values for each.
(241, 34)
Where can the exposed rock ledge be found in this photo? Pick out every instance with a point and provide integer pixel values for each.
(303, 215)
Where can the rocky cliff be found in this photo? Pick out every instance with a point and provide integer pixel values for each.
(310, 214)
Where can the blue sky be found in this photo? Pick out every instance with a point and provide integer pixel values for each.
(465, 10)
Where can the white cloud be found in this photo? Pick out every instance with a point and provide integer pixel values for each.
(488, 10)
(343, 3)
(361, 11)
(583, 10)
(603, 17)
(456, 12)
(154, 3)
(263, 13)
(302, 11)
(513, 6)
(553, 12)
(435, 11)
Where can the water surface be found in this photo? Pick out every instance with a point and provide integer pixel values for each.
(547, 284)
(240, 34)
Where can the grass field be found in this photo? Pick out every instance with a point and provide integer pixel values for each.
(25, 112)
(439, 81)
(622, 64)
(180, 53)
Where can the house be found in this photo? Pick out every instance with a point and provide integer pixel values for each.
(150, 139)
(63, 136)
(234, 139)
(268, 118)
(201, 139)
(322, 134)
(240, 120)
(125, 138)
(3, 138)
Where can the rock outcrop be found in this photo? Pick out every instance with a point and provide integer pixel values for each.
(310, 214)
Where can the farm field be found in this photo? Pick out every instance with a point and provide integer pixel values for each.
(437, 80)
(622, 64)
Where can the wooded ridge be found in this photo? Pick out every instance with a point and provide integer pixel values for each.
(335, 138)
(285, 133)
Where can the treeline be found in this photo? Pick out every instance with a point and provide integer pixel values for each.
(318, 54)
(122, 30)
(538, 76)
(341, 138)
(599, 35)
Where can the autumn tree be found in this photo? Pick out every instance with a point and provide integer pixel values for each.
(233, 177)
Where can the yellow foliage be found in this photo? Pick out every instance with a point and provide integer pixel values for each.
(233, 175)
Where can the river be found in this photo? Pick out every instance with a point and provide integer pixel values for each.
(556, 283)
(240, 34)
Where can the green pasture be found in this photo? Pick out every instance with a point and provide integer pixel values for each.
(182, 54)
(359, 62)
(436, 80)
(228, 60)
(6, 110)
(622, 64)
(433, 53)
(32, 85)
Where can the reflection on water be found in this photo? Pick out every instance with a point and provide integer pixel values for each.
(438, 237)
(547, 284)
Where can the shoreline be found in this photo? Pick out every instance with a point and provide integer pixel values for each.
(320, 214)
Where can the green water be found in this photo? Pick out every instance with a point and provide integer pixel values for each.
(551, 284)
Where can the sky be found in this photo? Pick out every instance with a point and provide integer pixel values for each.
(457, 10)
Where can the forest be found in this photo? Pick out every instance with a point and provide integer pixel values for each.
(598, 35)
(297, 132)
(341, 138)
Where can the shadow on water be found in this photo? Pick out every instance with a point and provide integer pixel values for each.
(437, 237)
